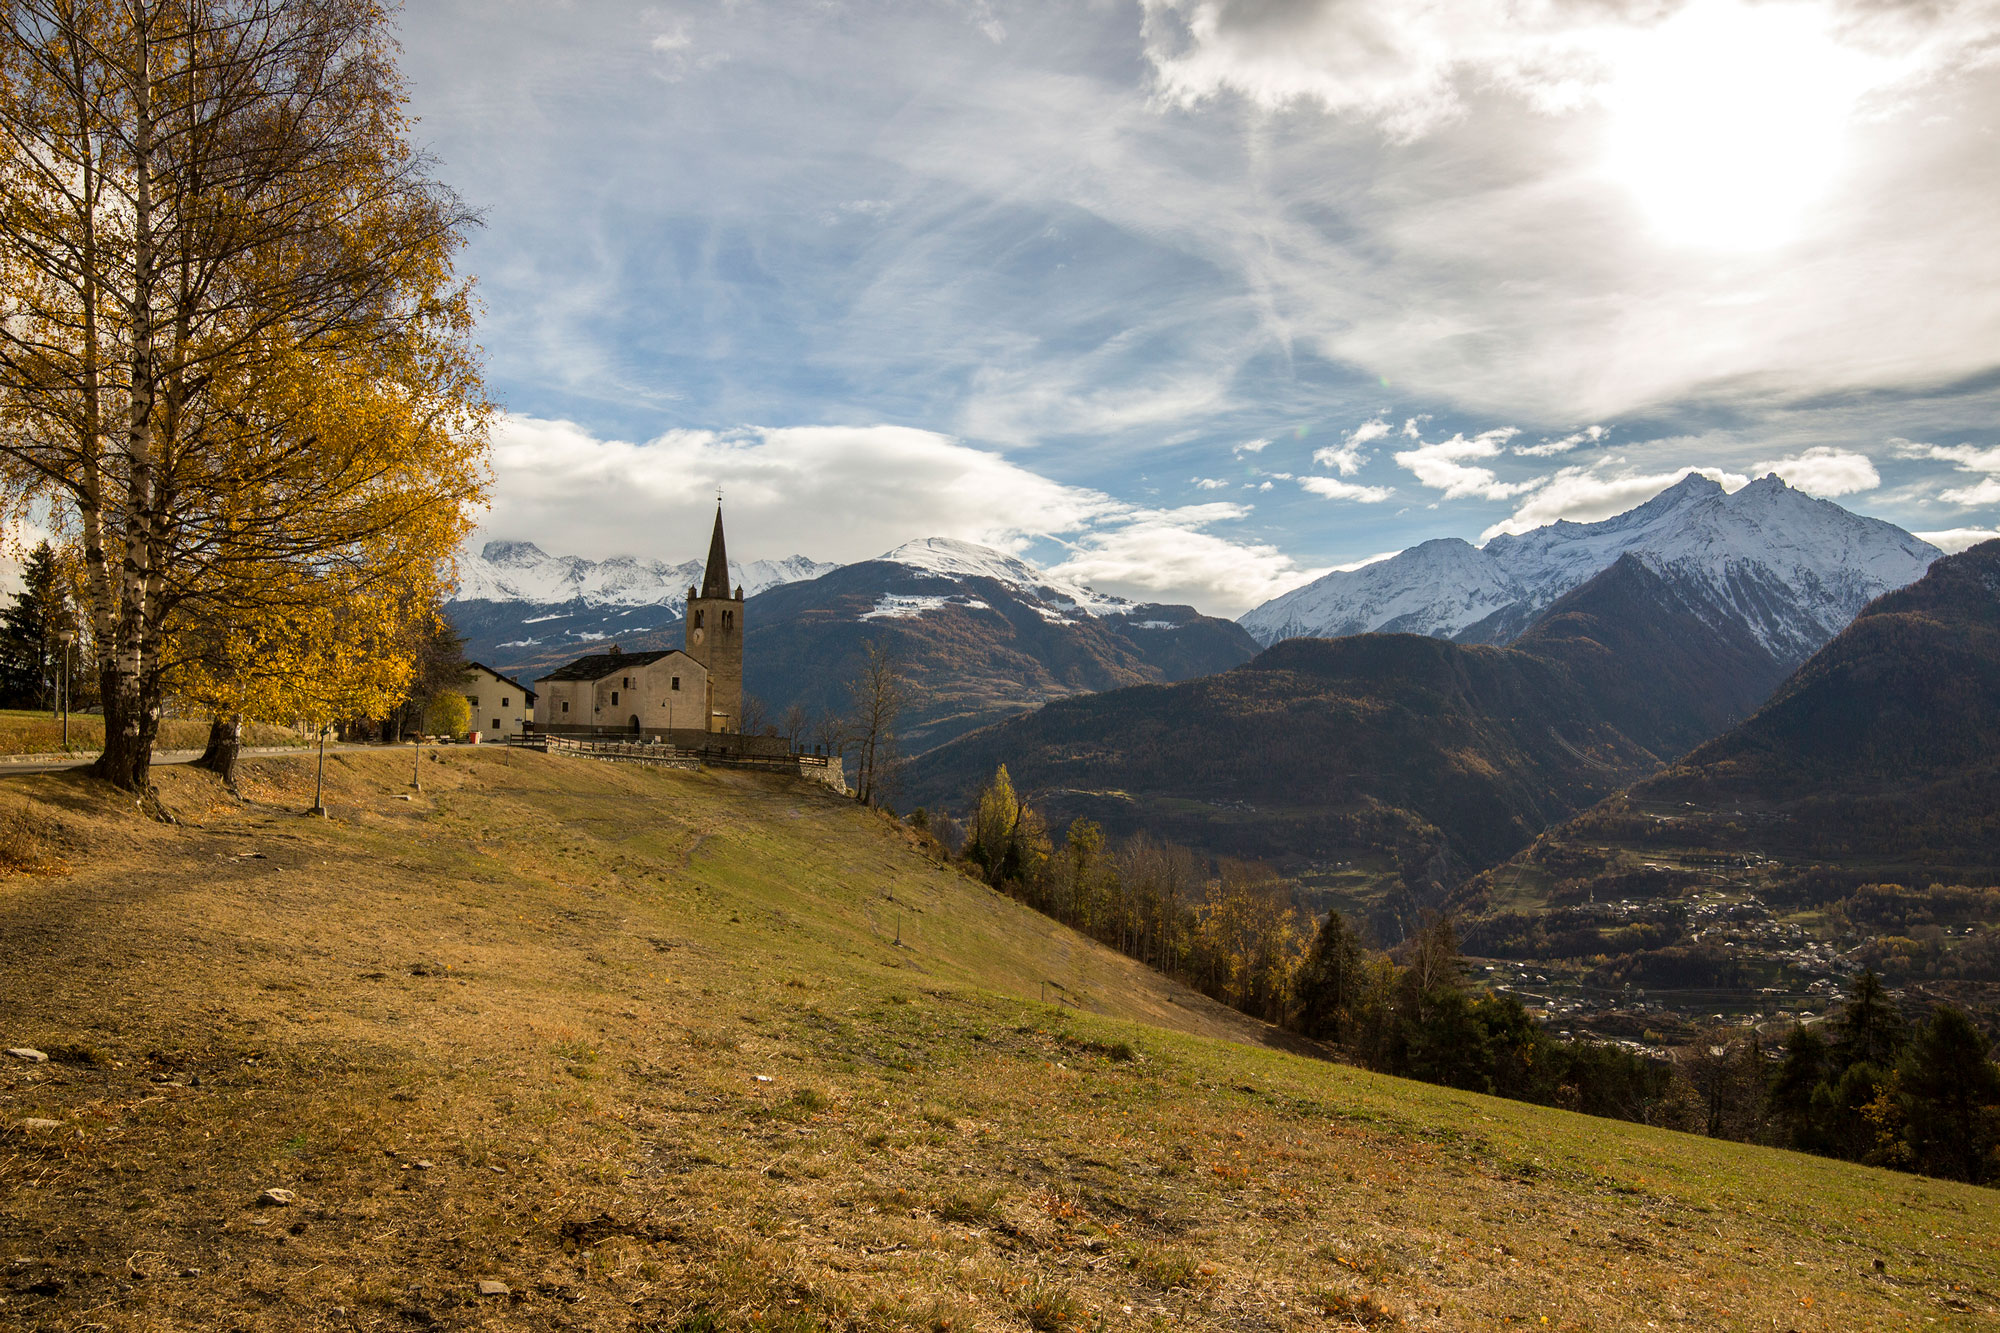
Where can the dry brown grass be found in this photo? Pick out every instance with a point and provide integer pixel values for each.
(24, 732)
(643, 1046)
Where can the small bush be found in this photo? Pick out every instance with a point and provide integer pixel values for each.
(1052, 1309)
(27, 848)
(1361, 1309)
(972, 1210)
(69, 1053)
(1173, 1270)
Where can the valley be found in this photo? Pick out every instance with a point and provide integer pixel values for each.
(1679, 799)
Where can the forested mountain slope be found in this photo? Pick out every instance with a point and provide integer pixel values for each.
(1323, 748)
(1886, 743)
(976, 636)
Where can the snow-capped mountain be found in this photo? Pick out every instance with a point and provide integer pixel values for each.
(506, 571)
(1790, 569)
(521, 608)
(950, 558)
(977, 634)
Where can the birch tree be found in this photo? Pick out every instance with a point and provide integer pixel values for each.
(876, 704)
(235, 362)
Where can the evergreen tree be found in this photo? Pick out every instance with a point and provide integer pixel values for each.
(1791, 1096)
(1518, 1053)
(1870, 1030)
(31, 654)
(1849, 1111)
(1951, 1099)
(1439, 1039)
(1330, 983)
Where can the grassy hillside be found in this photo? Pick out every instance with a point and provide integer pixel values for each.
(24, 731)
(717, 1051)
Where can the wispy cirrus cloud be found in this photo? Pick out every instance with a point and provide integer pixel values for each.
(1552, 448)
(1110, 243)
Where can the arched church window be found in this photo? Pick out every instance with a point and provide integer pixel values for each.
(697, 620)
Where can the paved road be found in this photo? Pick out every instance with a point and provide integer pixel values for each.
(12, 766)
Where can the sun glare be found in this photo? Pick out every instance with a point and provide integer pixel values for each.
(1729, 122)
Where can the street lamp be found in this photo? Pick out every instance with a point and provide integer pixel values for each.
(65, 638)
(319, 778)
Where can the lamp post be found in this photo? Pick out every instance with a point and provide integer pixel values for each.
(319, 778)
(65, 638)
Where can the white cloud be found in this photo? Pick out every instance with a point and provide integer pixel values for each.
(1347, 457)
(673, 39)
(1985, 492)
(848, 493)
(1398, 65)
(1250, 447)
(1550, 448)
(1209, 483)
(831, 492)
(1969, 458)
(1335, 489)
(1587, 494)
(1953, 540)
(1365, 561)
(1445, 465)
(1168, 555)
(1824, 471)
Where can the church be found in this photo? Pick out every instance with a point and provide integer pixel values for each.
(690, 696)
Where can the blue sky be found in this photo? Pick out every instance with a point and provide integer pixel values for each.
(1198, 298)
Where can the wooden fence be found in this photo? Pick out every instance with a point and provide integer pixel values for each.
(816, 767)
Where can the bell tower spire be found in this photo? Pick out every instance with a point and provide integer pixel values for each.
(715, 578)
(715, 634)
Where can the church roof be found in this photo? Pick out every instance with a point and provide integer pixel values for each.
(715, 578)
(599, 665)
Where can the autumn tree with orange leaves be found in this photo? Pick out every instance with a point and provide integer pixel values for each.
(236, 365)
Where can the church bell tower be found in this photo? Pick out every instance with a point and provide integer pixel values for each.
(715, 635)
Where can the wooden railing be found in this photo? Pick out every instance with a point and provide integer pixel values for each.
(818, 767)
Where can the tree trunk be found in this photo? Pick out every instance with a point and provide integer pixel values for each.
(127, 758)
(122, 764)
(225, 747)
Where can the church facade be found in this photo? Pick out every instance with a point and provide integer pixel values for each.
(690, 696)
